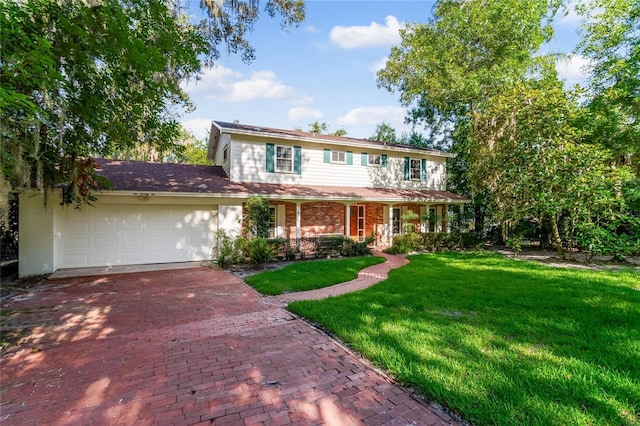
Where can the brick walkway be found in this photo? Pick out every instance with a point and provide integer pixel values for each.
(366, 278)
(185, 347)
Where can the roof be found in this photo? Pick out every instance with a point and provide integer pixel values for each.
(318, 137)
(186, 179)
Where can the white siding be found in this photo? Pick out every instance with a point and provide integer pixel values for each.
(37, 230)
(121, 229)
(225, 141)
(248, 164)
(230, 219)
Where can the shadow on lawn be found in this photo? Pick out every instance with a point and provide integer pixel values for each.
(499, 344)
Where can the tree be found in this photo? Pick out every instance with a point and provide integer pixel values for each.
(228, 23)
(186, 149)
(258, 216)
(323, 129)
(611, 41)
(447, 68)
(82, 79)
(468, 51)
(384, 133)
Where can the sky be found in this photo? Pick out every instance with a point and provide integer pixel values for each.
(325, 70)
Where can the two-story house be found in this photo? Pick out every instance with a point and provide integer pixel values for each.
(166, 212)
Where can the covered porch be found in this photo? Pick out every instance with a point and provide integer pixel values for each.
(299, 218)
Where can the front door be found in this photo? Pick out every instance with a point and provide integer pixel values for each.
(357, 225)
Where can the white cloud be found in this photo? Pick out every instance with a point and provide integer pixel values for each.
(367, 36)
(298, 114)
(311, 29)
(260, 85)
(378, 65)
(373, 115)
(199, 126)
(233, 86)
(573, 69)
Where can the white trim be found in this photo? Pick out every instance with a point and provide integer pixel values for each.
(370, 164)
(275, 159)
(340, 153)
(342, 142)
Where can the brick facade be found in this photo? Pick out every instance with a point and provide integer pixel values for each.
(329, 218)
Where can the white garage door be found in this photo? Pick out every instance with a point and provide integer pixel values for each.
(127, 235)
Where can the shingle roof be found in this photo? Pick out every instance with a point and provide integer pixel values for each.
(138, 176)
(244, 128)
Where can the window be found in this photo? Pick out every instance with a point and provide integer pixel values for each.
(375, 160)
(415, 169)
(225, 153)
(338, 157)
(272, 222)
(395, 222)
(284, 159)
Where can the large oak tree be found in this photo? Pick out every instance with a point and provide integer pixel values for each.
(80, 79)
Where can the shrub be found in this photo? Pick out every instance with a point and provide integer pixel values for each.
(408, 220)
(258, 216)
(326, 246)
(227, 250)
(352, 248)
(434, 241)
(515, 244)
(284, 249)
(403, 244)
(259, 251)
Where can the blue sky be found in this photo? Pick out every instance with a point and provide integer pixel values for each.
(325, 70)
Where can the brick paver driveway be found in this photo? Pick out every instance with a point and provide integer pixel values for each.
(184, 347)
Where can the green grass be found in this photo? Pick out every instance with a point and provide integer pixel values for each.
(501, 341)
(310, 275)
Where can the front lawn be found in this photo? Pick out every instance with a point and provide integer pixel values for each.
(311, 275)
(501, 341)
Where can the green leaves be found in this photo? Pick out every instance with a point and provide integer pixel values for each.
(80, 81)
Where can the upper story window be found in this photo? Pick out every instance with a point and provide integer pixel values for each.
(338, 157)
(415, 171)
(374, 160)
(284, 159)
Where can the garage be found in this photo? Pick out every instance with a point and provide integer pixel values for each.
(125, 234)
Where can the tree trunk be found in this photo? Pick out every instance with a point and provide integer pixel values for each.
(479, 219)
(556, 236)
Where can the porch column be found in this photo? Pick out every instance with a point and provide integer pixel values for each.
(427, 209)
(298, 214)
(390, 226)
(347, 220)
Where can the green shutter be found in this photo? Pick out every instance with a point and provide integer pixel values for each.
(384, 160)
(349, 157)
(365, 159)
(297, 160)
(327, 155)
(423, 170)
(270, 162)
(406, 168)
